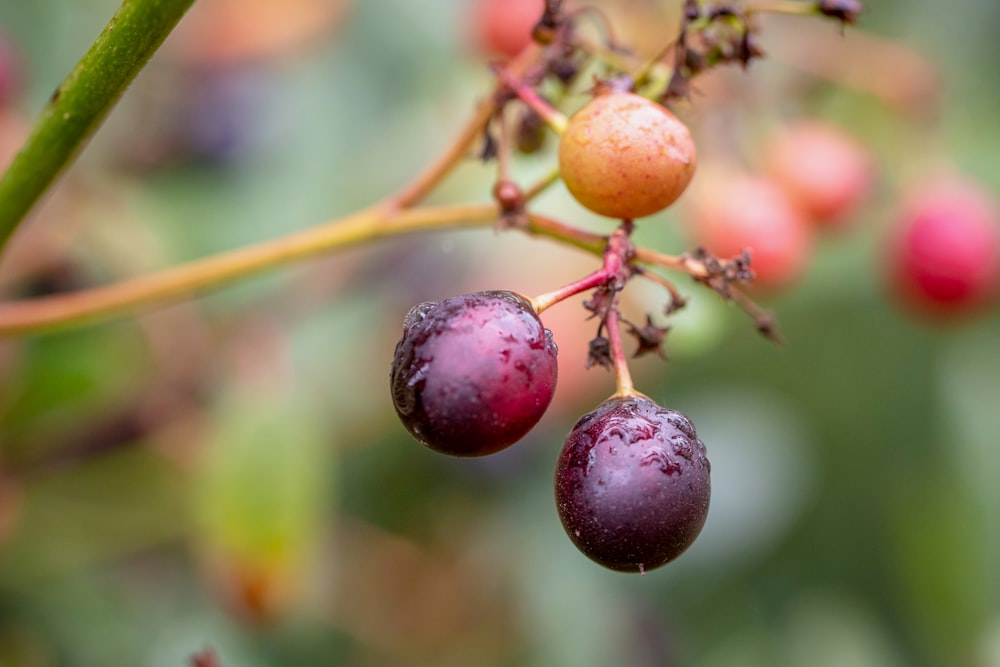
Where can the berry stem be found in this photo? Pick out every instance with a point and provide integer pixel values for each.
(552, 116)
(618, 254)
(541, 185)
(618, 259)
(677, 300)
(763, 319)
(549, 299)
(623, 377)
(425, 182)
(682, 263)
(545, 226)
(503, 146)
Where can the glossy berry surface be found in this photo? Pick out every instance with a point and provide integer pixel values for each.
(504, 27)
(624, 156)
(632, 484)
(740, 212)
(944, 256)
(825, 170)
(474, 373)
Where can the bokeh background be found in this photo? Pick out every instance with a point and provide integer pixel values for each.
(228, 473)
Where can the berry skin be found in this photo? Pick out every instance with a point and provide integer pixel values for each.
(474, 373)
(826, 171)
(503, 27)
(739, 212)
(943, 258)
(623, 156)
(632, 484)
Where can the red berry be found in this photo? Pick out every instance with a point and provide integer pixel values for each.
(624, 156)
(826, 171)
(738, 212)
(944, 255)
(632, 484)
(474, 373)
(504, 27)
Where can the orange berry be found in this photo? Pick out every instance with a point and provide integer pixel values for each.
(624, 156)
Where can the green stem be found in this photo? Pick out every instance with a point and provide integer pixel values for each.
(82, 101)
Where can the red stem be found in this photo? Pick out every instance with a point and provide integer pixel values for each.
(624, 377)
(549, 299)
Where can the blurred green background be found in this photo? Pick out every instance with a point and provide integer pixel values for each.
(229, 473)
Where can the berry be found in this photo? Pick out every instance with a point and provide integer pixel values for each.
(624, 156)
(826, 171)
(741, 212)
(632, 484)
(944, 256)
(504, 27)
(474, 373)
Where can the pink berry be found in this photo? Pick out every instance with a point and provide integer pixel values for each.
(738, 212)
(826, 171)
(944, 255)
(504, 27)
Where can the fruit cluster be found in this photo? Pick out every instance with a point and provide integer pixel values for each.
(473, 374)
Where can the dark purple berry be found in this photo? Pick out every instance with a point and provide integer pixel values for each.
(474, 373)
(632, 484)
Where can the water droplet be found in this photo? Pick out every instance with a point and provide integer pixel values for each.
(661, 460)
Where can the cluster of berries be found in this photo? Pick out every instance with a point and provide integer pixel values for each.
(940, 258)
(474, 373)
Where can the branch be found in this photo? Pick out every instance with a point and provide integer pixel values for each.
(83, 100)
(98, 303)
(101, 303)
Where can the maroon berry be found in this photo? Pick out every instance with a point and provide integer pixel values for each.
(632, 484)
(474, 373)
